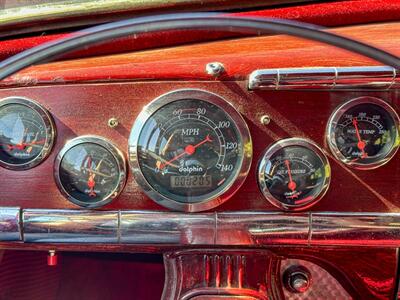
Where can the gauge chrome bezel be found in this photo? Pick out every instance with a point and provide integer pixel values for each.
(338, 113)
(111, 148)
(244, 136)
(279, 145)
(49, 126)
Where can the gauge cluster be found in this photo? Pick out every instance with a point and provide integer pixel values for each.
(192, 150)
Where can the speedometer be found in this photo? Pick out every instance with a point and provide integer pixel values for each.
(190, 150)
(364, 133)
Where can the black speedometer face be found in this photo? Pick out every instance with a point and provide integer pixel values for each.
(26, 133)
(294, 174)
(90, 171)
(191, 150)
(364, 133)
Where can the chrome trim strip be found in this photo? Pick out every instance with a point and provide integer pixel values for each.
(325, 78)
(138, 227)
(216, 229)
(261, 228)
(10, 229)
(360, 229)
(69, 226)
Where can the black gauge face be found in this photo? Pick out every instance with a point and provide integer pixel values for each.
(25, 135)
(294, 174)
(190, 150)
(364, 134)
(89, 174)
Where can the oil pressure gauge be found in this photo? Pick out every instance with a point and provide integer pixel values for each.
(90, 171)
(294, 174)
(364, 133)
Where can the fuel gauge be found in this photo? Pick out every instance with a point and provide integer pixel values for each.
(294, 174)
(90, 171)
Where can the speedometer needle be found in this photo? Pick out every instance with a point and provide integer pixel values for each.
(361, 143)
(189, 150)
(291, 184)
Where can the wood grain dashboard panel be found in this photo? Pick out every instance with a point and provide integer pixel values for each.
(80, 109)
(239, 56)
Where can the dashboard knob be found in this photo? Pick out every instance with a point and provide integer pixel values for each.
(297, 279)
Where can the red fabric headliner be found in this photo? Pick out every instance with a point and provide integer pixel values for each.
(326, 14)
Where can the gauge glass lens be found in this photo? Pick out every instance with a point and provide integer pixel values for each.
(23, 134)
(294, 175)
(90, 174)
(190, 150)
(364, 134)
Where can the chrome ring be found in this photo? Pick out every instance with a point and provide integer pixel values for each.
(338, 113)
(306, 143)
(244, 136)
(49, 126)
(110, 147)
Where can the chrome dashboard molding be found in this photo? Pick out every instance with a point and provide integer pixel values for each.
(241, 228)
(325, 78)
(10, 225)
(70, 226)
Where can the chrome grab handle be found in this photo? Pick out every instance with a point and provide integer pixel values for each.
(326, 78)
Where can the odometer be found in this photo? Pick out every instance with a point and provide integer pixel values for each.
(190, 150)
(294, 174)
(364, 133)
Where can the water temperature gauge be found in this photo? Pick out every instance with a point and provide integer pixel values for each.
(294, 174)
(364, 133)
(90, 171)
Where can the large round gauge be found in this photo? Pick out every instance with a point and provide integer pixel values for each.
(27, 133)
(90, 171)
(294, 174)
(364, 133)
(190, 150)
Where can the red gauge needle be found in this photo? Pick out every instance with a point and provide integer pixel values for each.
(22, 146)
(189, 150)
(291, 184)
(361, 144)
(91, 183)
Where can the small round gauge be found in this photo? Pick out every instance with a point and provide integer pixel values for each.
(90, 171)
(27, 133)
(364, 133)
(190, 150)
(294, 174)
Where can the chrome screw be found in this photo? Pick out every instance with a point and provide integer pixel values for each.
(215, 68)
(265, 120)
(113, 122)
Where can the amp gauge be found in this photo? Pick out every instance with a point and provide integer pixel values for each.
(90, 171)
(364, 133)
(294, 174)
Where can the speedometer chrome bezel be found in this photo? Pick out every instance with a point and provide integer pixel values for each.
(243, 132)
(49, 126)
(279, 145)
(108, 146)
(338, 113)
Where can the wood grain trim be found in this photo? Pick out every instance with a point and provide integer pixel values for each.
(239, 56)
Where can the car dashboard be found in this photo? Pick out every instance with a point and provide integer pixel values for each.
(246, 169)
